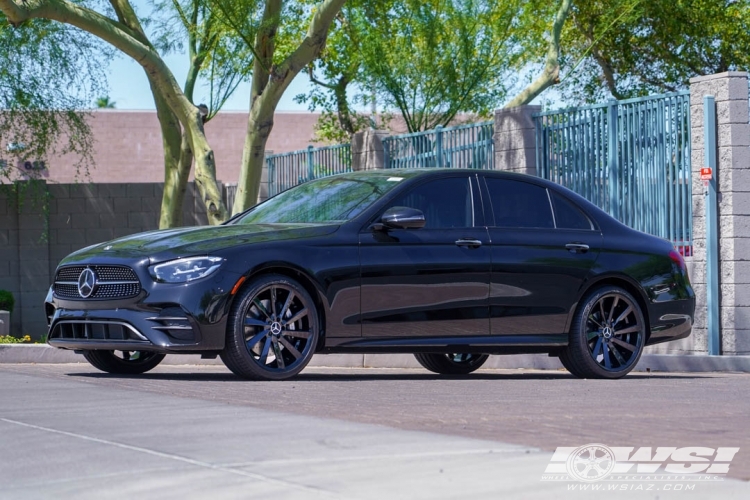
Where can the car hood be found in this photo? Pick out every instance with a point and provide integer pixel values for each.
(169, 243)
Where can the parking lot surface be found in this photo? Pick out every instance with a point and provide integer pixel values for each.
(68, 431)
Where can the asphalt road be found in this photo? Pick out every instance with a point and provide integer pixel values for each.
(344, 433)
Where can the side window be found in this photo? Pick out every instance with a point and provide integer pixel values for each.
(444, 202)
(568, 216)
(519, 204)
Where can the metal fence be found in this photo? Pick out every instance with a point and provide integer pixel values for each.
(631, 158)
(286, 170)
(463, 146)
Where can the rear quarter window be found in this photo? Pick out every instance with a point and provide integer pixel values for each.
(569, 216)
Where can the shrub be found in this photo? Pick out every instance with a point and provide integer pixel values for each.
(9, 339)
(6, 301)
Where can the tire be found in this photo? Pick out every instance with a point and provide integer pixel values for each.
(607, 335)
(451, 364)
(272, 331)
(127, 363)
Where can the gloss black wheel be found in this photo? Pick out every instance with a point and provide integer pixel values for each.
(272, 330)
(123, 362)
(607, 335)
(451, 364)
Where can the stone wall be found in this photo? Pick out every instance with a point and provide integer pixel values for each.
(730, 91)
(515, 139)
(34, 238)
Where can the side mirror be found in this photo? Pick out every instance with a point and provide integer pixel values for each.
(403, 218)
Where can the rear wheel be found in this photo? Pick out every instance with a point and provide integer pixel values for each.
(123, 362)
(451, 364)
(607, 335)
(272, 330)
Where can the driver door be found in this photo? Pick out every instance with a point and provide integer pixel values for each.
(433, 281)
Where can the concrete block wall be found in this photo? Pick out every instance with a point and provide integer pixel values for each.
(730, 91)
(367, 150)
(515, 139)
(32, 243)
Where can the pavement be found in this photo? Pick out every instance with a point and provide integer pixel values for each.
(42, 353)
(67, 431)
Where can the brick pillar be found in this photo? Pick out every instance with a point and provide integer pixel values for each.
(515, 144)
(367, 150)
(730, 91)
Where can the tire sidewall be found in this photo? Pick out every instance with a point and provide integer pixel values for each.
(579, 343)
(242, 363)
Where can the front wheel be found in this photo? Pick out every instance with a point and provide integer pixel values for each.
(272, 330)
(451, 364)
(124, 362)
(607, 336)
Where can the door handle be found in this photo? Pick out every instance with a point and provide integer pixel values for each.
(577, 247)
(467, 242)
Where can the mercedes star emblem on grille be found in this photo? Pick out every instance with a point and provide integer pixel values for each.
(86, 283)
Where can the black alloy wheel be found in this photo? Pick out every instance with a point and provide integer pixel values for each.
(124, 362)
(607, 336)
(451, 364)
(272, 330)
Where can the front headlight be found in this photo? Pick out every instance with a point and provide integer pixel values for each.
(184, 270)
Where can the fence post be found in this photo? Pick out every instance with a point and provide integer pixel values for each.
(271, 176)
(612, 160)
(310, 165)
(439, 146)
(386, 153)
(712, 236)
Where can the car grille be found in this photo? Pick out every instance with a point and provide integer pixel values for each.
(95, 330)
(112, 282)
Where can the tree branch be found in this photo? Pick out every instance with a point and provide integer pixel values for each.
(551, 72)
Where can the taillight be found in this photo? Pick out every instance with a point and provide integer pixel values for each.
(679, 261)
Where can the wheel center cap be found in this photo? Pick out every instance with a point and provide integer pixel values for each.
(276, 328)
(607, 332)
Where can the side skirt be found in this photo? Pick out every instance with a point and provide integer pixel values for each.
(499, 344)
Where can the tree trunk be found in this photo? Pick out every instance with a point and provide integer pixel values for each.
(269, 83)
(127, 37)
(259, 128)
(551, 72)
(172, 139)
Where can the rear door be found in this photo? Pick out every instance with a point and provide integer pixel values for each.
(540, 256)
(432, 281)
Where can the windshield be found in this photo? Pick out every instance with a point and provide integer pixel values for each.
(331, 199)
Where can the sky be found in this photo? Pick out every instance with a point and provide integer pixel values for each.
(129, 89)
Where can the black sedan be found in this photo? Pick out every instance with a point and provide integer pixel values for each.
(450, 265)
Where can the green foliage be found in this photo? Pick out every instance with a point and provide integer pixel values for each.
(430, 60)
(48, 73)
(631, 48)
(219, 58)
(9, 339)
(7, 301)
(329, 129)
(104, 103)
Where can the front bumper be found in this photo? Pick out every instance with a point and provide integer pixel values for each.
(166, 318)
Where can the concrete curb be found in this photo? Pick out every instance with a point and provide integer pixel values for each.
(41, 353)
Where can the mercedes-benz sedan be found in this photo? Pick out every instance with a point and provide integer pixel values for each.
(450, 265)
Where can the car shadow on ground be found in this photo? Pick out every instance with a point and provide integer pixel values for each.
(361, 377)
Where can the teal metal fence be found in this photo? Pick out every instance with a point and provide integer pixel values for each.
(286, 170)
(631, 158)
(463, 146)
